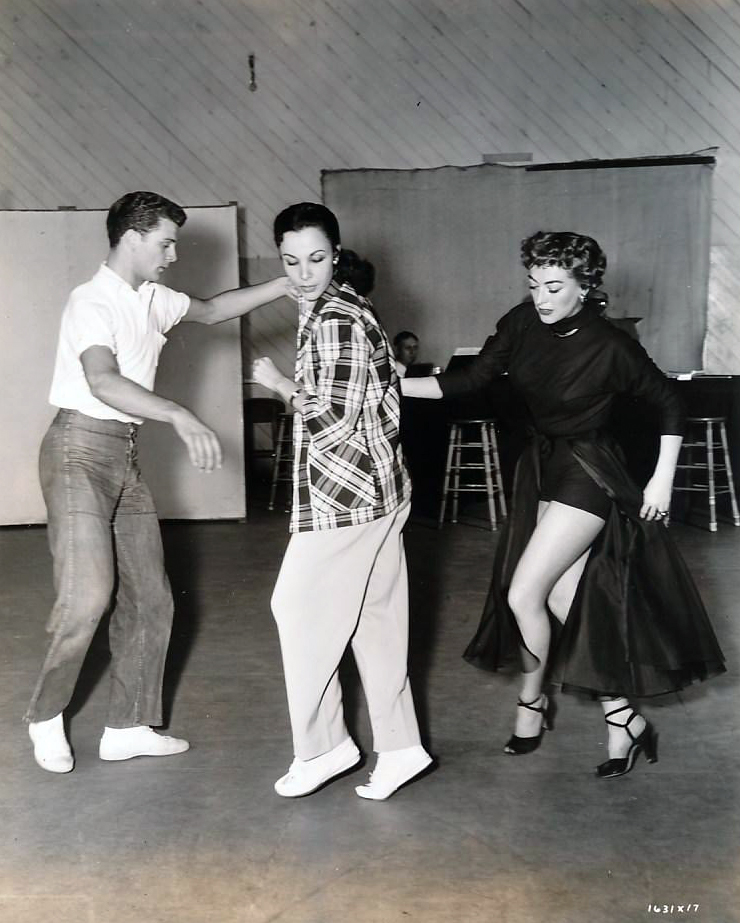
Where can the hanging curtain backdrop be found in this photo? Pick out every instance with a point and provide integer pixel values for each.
(445, 244)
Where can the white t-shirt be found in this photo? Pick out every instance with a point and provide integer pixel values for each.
(106, 311)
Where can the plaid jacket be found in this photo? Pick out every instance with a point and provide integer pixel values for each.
(348, 464)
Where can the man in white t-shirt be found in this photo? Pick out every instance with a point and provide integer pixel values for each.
(103, 529)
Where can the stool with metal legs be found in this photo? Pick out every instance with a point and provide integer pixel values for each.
(473, 446)
(713, 461)
(282, 466)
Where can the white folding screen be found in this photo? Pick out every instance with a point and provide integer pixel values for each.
(47, 253)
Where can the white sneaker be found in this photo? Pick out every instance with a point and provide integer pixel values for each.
(50, 746)
(126, 743)
(393, 769)
(305, 776)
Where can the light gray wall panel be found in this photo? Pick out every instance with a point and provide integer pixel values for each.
(44, 256)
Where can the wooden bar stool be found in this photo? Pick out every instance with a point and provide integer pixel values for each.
(702, 453)
(473, 446)
(282, 465)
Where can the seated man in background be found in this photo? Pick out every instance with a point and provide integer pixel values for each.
(103, 528)
(405, 350)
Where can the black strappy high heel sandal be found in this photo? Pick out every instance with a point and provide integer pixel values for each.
(646, 741)
(518, 746)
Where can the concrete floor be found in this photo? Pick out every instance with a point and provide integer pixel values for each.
(202, 838)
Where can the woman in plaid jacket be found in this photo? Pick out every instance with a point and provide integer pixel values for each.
(343, 578)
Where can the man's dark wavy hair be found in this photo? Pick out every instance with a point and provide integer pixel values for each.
(140, 211)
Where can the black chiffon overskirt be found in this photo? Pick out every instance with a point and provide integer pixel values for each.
(637, 625)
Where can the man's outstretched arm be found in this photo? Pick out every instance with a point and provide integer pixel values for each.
(235, 303)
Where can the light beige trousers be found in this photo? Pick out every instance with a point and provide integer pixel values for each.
(334, 587)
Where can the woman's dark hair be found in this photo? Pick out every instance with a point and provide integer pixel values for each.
(577, 253)
(140, 211)
(359, 273)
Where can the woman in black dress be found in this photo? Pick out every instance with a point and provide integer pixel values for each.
(583, 543)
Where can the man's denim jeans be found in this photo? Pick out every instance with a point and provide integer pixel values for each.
(107, 549)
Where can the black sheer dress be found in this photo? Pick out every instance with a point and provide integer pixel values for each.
(637, 625)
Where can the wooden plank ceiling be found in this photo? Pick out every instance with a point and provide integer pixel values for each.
(98, 97)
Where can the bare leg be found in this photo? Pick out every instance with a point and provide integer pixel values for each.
(562, 594)
(554, 557)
